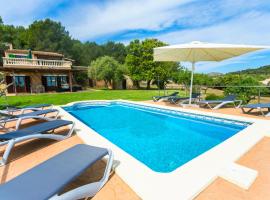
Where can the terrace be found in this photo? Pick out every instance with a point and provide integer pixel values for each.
(22, 63)
(27, 156)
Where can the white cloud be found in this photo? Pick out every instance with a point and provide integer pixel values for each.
(89, 21)
(250, 60)
(213, 21)
(250, 28)
(24, 12)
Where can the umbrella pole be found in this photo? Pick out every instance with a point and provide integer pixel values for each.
(191, 82)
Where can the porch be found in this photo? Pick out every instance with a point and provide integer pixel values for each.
(38, 82)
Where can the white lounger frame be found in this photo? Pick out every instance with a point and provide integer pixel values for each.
(10, 143)
(258, 108)
(22, 110)
(4, 122)
(208, 104)
(88, 190)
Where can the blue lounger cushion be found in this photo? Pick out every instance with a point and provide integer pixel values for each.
(37, 113)
(34, 113)
(156, 98)
(11, 108)
(258, 105)
(38, 106)
(35, 129)
(51, 176)
(225, 99)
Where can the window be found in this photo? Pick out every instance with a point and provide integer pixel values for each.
(51, 81)
(20, 81)
(63, 80)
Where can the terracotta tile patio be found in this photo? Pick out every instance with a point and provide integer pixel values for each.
(228, 110)
(31, 153)
(257, 158)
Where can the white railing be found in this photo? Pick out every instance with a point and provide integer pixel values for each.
(35, 62)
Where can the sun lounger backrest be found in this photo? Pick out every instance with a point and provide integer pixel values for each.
(35, 129)
(37, 113)
(174, 94)
(47, 126)
(229, 98)
(195, 95)
(38, 106)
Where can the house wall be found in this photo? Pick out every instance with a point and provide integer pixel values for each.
(36, 77)
(118, 85)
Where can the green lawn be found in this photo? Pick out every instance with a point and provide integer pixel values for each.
(64, 98)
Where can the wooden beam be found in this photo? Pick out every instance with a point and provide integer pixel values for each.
(14, 80)
(70, 81)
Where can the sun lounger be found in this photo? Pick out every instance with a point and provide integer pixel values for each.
(230, 99)
(165, 97)
(42, 106)
(181, 100)
(11, 117)
(258, 106)
(47, 180)
(41, 130)
(34, 107)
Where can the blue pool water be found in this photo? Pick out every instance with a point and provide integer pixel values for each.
(160, 139)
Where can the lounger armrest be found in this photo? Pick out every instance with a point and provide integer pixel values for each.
(239, 103)
(29, 109)
(20, 110)
(185, 101)
(3, 112)
(88, 190)
(18, 124)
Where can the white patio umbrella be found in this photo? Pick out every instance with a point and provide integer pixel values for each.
(199, 51)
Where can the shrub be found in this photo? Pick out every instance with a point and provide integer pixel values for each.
(213, 97)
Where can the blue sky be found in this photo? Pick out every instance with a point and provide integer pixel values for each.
(172, 21)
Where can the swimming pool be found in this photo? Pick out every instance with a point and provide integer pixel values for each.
(161, 139)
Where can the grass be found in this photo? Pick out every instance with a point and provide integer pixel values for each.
(64, 98)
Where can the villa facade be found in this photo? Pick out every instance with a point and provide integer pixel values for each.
(36, 71)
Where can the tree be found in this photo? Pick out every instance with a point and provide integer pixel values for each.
(133, 62)
(240, 86)
(149, 66)
(81, 77)
(164, 72)
(183, 76)
(106, 68)
(85, 53)
(48, 35)
(115, 50)
(142, 66)
(11, 34)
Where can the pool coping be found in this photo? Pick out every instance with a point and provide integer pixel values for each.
(187, 181)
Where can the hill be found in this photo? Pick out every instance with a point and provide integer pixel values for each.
(264, 70)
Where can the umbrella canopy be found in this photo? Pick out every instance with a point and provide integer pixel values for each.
(200, 51)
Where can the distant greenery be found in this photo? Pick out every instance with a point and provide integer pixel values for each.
(260, 73)
(242, 85)
(48, 35)
(260, 70)
(183, 77)
(212, 96)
